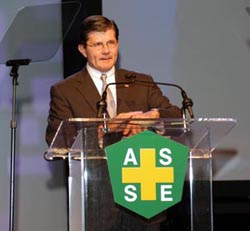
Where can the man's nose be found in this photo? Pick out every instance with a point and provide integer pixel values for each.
(105, 47)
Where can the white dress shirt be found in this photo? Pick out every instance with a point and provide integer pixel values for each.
(96, 77)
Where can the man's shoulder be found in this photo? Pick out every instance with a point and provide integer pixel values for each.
(72, 79)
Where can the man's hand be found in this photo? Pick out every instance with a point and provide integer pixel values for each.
(119, 125)
(139, 126)
(129, 127)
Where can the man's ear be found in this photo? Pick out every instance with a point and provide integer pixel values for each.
(82, 50)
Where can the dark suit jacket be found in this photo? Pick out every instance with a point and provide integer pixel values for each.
(77, 96)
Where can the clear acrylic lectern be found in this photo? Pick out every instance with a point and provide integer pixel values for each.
(91, 206)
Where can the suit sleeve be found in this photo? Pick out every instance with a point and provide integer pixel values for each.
(59, 110)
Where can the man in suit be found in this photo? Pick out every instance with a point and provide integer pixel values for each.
(77, 96)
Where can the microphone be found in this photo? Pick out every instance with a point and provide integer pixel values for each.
(15, 63)
(102, 104)
(18, 62)
(187, 103)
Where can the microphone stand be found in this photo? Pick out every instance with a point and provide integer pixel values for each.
(13, 124)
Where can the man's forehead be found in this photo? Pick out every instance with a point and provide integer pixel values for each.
(102, 35)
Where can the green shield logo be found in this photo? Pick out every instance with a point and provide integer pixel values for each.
(147, 172)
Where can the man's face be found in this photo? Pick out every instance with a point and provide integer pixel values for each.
(101, 50)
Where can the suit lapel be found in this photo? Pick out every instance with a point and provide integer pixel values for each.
(122, 91)
(87, 89)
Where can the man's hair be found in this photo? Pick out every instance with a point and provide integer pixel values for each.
(96, 23)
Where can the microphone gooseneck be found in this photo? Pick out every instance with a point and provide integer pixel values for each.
(187, 103)
(102, 104)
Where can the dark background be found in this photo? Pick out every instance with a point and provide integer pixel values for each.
(73, 61)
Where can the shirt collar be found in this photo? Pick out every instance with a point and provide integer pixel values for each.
(94, 73)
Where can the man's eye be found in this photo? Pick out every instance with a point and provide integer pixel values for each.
(98, 44)
(111, 42)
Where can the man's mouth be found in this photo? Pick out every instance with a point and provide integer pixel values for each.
(105, 59)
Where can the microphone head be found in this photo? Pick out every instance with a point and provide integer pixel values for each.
(101, 108)
(18, 62)
(104, 95)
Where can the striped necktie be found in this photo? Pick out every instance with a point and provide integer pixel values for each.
(111, 107)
